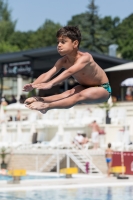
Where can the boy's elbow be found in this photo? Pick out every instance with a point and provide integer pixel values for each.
(70, 72)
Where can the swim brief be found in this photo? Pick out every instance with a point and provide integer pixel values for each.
(107, 87)
(108, 160)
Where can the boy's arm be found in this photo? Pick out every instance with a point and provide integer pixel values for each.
(105, 153)
(79, 65)
(90, 124)
(45, 77)
(48, 75)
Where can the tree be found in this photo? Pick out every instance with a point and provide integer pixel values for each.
(7, 47)
(93, 21)
(7, 26)
(93, 36)
(45, 35)
(124, 34)
(23, 40)
(3, 153)
(109, 26)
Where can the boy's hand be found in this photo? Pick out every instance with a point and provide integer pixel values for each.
(44, 86)
(28, 87)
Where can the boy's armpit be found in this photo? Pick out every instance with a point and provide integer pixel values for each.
(56, 68)
(59, 64)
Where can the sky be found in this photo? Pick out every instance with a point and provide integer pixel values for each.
(31, 14)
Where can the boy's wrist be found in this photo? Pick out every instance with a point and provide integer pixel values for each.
(31, 85)
(51, 83)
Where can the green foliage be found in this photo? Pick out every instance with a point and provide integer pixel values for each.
(7, 47)
(97, 33)
(107, 106)
(21, 39)
(32, 93)
(3, 153)
(94, 37)
(124, 37)
(46, 34)
(7, 26)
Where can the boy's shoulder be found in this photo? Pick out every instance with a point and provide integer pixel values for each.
(61, 61)
(81, 55)
(85, 54)
(85, 57)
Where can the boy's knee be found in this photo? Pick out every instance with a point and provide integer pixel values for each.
(70, 92)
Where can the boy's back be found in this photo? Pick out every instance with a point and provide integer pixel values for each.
(109, 153)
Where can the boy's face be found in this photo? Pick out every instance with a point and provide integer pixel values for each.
(66, 45)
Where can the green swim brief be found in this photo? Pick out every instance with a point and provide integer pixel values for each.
(107, 87)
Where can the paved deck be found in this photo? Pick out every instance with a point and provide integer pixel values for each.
(76, 182)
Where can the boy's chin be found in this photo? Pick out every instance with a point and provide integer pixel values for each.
(62, 54)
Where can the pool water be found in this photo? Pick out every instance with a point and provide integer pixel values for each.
(99, 193)
(29, 177)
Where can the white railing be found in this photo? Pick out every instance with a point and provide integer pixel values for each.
(79, 157)
(47, 163)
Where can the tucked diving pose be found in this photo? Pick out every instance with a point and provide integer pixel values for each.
(93, 85)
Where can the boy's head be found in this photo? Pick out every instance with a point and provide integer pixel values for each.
(109, 145)
(71, 32)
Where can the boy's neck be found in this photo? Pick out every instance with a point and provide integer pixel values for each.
(73, 56)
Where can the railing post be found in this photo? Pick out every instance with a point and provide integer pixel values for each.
(68, 159)
(58, 162)
(37, 162)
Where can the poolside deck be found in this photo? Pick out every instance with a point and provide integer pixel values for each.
(75, 182)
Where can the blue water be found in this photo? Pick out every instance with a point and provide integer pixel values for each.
(27, 177)
(99, 193)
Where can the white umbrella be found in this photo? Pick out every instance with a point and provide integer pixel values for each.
(110, 102)
(60, 132)
(4, 132)
(16, 106)
(127, 82)
(19, 133)
(2, 115)
(32, 130)
(125, 66)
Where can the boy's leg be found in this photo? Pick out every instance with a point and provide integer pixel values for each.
(80, 94)
(52, 98)
(109, 168)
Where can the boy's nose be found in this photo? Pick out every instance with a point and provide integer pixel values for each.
(59, 44)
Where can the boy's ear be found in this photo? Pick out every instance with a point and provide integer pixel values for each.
(76, 43)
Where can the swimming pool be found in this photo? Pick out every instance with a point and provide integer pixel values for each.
(98, 193)
(29, 177)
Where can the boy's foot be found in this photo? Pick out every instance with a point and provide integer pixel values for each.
(40, 106)
(33, 99)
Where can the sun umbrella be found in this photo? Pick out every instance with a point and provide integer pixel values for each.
(2, 115)
(16, 106)
(127, 82)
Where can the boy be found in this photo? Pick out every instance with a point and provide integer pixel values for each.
(93, 83)
(108, 155)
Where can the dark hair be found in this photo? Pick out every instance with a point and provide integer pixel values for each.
(84, 134)
(109, 145)
(71, 32)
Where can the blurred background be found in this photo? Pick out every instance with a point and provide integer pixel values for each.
(28, 49)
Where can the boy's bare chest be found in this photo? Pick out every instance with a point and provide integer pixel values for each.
(86, 71)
